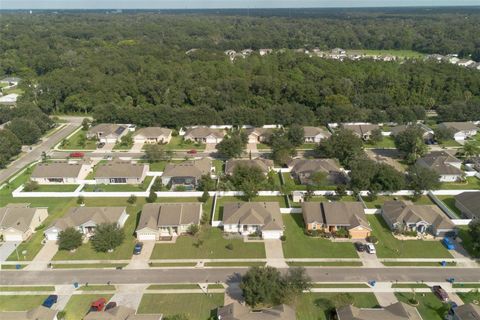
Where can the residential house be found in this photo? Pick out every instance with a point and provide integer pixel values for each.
(363, 131)
(37, 313)
(396, 311)
(406, 216)
(315, 134)
(253, 217)
(259, 135)
(12, 81)
(330, 217)
(61, 172)
(469, 204)
(465, 62)
(263, 164)
(304, 170)
(237, 311)
(264, 52)
(18, 221)
(121, 172)
(427, 133)
(187, 173)
(107, 132)
(468, 311)
(121, 313)
(444, 164)
(204, 135)
(461, 130)
(167, 219)
(86, 219)
(152, 135)
(9, 99)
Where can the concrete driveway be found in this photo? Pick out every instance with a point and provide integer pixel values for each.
(370, 260)
(210, 147)
(7, 248)
(137, 147)
(107, 148)
(129, 295)
(274, 253)
(140, 261)
(43, 258)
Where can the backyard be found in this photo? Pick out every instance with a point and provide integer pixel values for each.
(378, 202)
(389, 247)
(322, 199)
(118, 187)
(324, 185)
(469, 183)
(299, 245)
(385, 143)
(449, 201)
(78, 305)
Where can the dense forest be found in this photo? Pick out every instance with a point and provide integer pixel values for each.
(133, 67)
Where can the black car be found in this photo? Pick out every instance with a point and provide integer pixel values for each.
(101, 145)
(110, 305)
(359, 246)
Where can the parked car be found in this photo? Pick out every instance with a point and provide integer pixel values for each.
(101, 145)
(97, 305)
(359, 246)
(370, 248)
(76, 155)
(193, 151)
(110, 305)
(138, 248)
(440, 293)
(449, 243)
(50, 301)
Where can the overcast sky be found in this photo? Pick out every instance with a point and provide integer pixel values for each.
(194, 4)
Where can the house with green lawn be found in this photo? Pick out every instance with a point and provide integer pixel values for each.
(396, 311)
(187, 173)
(61, 172)
(121, 172)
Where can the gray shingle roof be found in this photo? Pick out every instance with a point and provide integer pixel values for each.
(349, 214)
(236, 311)
(153, 132)
(17, 217)
(440, 162)
(396, 311)
(403, 211)
(79, 215)
(57, 170)
(313, 131)
(37, 313)
(155, 215)
(468, 311)
(191, 168)
(266, 214)
(470, 200)
(203, 132)
(107, 129)
(459, 126)
(263, 164)
(120, 169)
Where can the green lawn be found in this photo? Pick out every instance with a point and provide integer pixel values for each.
(476, 139)
(389, 247)
(235, 264)
(78, 305)
(263, 146)
(315, 306)
(20, 302)
(219, 166)
(222, 200)
(98, 287)
(119, 187)
(449, 201)
(450, 143)
(340, 285)
(430, 307)
(380, 200)
(325, 264)
(24, 288)
(467, 285)
(470, 183)
(322, 199)
(299, 245)
(195, 306)
(468, 297)
(288, 179)
(467, 241)
(87, 265)
(410, 285)
(307, 146)
(56, 188)
(173, 286)
(213, 247)
(13, 90)
(177, 143)
(120, 146)
(73, 143)
(387, 142)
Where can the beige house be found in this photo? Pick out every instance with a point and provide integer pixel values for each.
(167, 219)
(121, 313)
(86, 219)
(259, 135)
(304, 169)
(253, 217)
(330, 217)
(18, 221)
(396, 311)
(60, 172)
(461, 130)
(363, 131)
(107, 132)
(263, 164)
(315, 134)
(152, 135)
(444, 164)
(237, 311)
(204, 135)
(121, 172)
(406, 216)
(187, 173)
(37, 313)
(427, 134)
(469, 204)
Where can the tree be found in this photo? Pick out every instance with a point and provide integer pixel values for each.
(206, 183)
(86, 124)
(10, 145)
(248, 179)
(80, 200)
(296, 135)
(376, 136)
(152, 197)
(107, 237)
(343, 145)
(193, 229)
(157, 185)
(366, 174)
(205, 196)
(232, 145)
(262, 286)
(126, 140)
(154, 153)
(25, 129)
(470, 149)
(318, 178)
(421, 178)
(69, 239)
(474, 232)
(30, 186)
(296, 282)
(411, 143)
(132, 199)
(443, 134)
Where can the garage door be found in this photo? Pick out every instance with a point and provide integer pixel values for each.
(13, 237)
(51, 236)
(271, 234)
(145, 237)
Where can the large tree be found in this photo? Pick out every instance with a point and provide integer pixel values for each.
(25, 129)
(107, 237)
(10, 146)
(248, 179)
(69, 239)
(343, 145)
(232, 145)
(474, 232)
(421, 178)
(411, 142)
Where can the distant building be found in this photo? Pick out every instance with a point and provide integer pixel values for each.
(107, 132)
(363, 131)
(152, 135)
(259, 135)
(264, 52)
(469, 204)
(204, 135)
(461, 130)
(9, 99)
(237, 311)
(304, 169)
(60, 172)
(396, 311)
(315, 134)
(121, 172)
(445, 165)
(427, 134)
(187, 173)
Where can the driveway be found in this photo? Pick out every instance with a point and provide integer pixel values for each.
(370, 260)
(137, 147)
(7, 248)
(43, 258)
(274, 253)
(252, 147)
(107, 148)
(129, 295)
(210, 147)
(141, 261)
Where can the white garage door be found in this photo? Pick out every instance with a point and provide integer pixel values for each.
(271, 234)
(13, 237)
(145, 237)
(51, 236)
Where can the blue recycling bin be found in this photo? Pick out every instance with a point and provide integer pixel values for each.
(372, 283)
(18, 267)
(75, 285)
(444, 263)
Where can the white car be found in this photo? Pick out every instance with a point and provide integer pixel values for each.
(370, 248)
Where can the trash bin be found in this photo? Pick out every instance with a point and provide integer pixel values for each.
(75, 285)
(444, 263)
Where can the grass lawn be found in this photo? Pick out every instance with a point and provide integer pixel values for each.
(476, 139)
(315, 306)
(467, 285)
(321, 199)
(299, 245)
(177, 143)
(235, 264)
(430, 307)
(288, 179)
(78, 305)
(340, 285)
(173, 286)
(467, 241)
(196, 306)
(23, 288)
(325, 264)
(87, 265)
(97, 287)
(387, 142)
(380, 200)
(222, 200)
(219, 166)
(389, 247)
(128, 146)
(56, 188)
(450, 143)
(449, 201)
(20, 303)
(263, 146)
(470, 183)
(73, 143)
(172, 264)
(118, 187)
(307, 146)
(410, 285)
(467, 297)
(213, 247)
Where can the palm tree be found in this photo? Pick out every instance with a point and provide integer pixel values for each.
(470, 149)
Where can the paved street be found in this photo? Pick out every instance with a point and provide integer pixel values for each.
(45, 146)
(184, 275)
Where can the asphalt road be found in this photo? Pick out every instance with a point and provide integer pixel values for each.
(56, 277)
(45, 145)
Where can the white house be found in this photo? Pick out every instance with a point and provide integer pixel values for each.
(121, 172)
(315, 134)
(107, 132)
(204, 135)
(445, 165)
(461, 130)
(152, 135)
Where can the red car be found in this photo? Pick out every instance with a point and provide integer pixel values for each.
(98, 305)
(193, 151)
(77, 155)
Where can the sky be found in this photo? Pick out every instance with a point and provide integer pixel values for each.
(203, 4)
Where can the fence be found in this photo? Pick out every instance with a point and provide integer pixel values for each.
(443, 206)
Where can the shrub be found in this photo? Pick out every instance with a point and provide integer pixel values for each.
(193, 229)
(107, 237)
(229, 246)
(80, 200)
(342, 233)
(30, 186)
(372, 239)
(151, 197)
(205, 196)
(283, 238)
(180, 188)
(69, 239)
(132, 199)
(40, 227)
(410, 233)
(157, 184)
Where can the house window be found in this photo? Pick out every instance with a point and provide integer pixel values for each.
(55, 179)
(118, 180)
(314, 226)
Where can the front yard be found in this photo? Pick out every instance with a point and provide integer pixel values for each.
(208, 244)
(299, 245)
(20, 302)
(430, 307)
(389, 247)
(79, 141)
(78, 305)
(177, 143)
